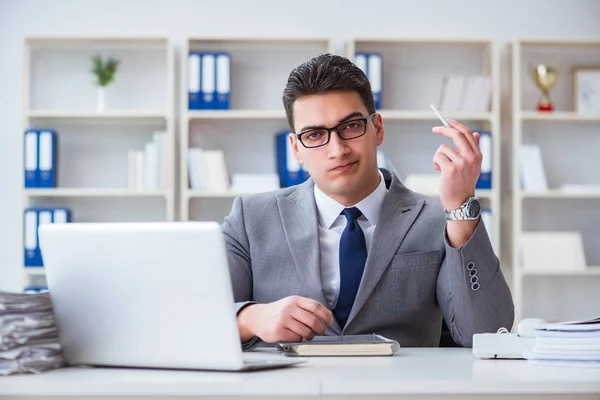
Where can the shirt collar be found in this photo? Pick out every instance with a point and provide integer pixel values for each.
(328, 209)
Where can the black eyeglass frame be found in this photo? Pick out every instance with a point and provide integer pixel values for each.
(366, 120)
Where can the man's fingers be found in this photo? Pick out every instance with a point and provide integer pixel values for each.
(461, 143)
(315, 323)
(467, 134)
(441, 160)
(316, 308)
(289, 336)
(300, 329)
(451, 154)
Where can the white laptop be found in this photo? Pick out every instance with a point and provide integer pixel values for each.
(148, 294)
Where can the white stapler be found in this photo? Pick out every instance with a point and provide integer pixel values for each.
(506, 345)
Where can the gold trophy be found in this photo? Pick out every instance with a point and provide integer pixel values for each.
(545, 78)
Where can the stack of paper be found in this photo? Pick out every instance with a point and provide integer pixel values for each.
(208, 170)
(574, 344)
(149, 168)
(28, 334)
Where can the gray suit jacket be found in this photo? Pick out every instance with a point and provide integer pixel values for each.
(412, 277)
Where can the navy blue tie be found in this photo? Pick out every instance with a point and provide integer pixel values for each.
(353, 256)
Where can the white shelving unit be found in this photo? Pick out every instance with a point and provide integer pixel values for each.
(245, 132)
(569, 144)
(413, 72)
(92, 176)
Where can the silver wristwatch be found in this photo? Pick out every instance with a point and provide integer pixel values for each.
(470, 210)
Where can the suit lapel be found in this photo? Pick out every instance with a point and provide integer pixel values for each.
(399, 211)
(298, 214)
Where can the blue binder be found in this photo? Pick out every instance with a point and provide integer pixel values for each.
(208, 83)
(31, 158)
(372, 65)
(33, 218)
(45, 216)
(290, 171)
(485, 177)
(194, 79)
(47, 146)
(33, 257)
(223, 77)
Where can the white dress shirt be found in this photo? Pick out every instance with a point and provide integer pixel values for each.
(331, 226)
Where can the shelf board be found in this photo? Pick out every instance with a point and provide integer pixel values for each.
(484, 194)
(428, 115)
(588, 271)
(422, 41)
(90, 192)
(235, 114)
(393, 115)
(217, 195)
(570, 42)
(259, 39)
(97, 40)
(106, 115)
(558, 116)
(561, 194)
(34, 271)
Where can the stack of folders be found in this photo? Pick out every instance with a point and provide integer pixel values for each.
(34, 217)
(148, 169)
(348, 345)
(28, 334)
(209, 80)
(40, 156)
(572, 344)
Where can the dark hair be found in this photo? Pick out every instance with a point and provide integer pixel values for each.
(325, 73)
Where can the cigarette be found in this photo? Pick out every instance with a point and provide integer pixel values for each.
(439, 115)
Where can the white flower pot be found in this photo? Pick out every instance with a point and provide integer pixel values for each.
(100, 99)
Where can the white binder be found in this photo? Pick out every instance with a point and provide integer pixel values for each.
(223, 81)
(31, 159)
(208, 81)
(375, 70)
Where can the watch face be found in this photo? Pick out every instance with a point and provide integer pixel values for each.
(474, 208)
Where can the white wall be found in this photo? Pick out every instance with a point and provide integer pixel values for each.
(501, 20)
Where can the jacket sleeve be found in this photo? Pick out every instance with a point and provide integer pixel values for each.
(471, 289)
(238, 257)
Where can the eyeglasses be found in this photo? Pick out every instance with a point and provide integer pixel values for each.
(347, 130)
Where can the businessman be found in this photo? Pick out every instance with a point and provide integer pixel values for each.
(352, 250)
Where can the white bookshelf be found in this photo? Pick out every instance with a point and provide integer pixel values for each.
(413, 73)
(568, 142)
(92, 177)
(245, 132)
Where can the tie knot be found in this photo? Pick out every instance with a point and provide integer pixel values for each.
(351, 214)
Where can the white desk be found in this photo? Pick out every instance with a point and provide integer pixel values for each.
(431, 373)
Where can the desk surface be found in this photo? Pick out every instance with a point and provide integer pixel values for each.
(413, 371)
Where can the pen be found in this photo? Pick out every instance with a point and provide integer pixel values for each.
(439, 115)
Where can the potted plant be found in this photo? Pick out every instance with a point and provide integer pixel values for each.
(104, 70)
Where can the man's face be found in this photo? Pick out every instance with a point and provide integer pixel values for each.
(346, 170)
